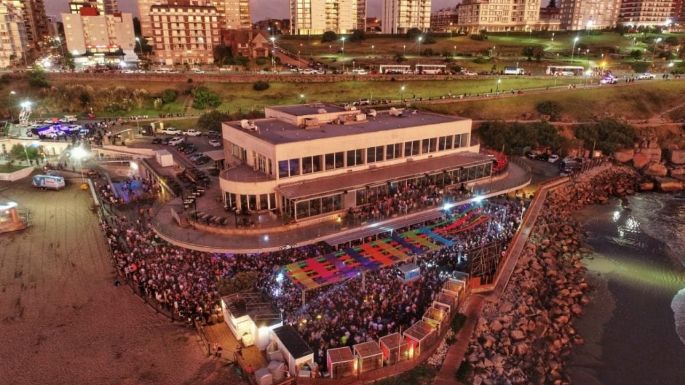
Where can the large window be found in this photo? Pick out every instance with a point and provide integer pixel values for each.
(355, 158)
(334, 160)
(288, 168)
(445, 143)
(317, 206)
(428, 145)
(374, 154)
(311, 164)
(393, 151)
(412, 148)
(461, 140)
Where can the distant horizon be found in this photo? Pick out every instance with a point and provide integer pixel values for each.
(260, 9)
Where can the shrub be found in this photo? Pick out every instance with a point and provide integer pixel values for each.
(37, 79)
(516, 137)
(478, 37)
(358, 35)
(550, 108)
(640, 66)
(260, 85)
(607, 135)
(329, 36)
(169, 96)
(261, 61)
(636, 54)
(413, 33)
(481, 60)
(212, 120)
(204, 98)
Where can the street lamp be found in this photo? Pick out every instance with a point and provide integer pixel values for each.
(499, 81)
(343, 45)
(455, 52)
(373, 52)
(79, 154)
(404, 50)
(420, 39)
(402, 93)
(656, 41)
(573, 51)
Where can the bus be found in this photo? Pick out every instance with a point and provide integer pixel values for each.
(430, 69)
(514, 71)
(565, 70)
(48, 182)
(396, 69)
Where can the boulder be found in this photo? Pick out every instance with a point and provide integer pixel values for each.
(624, 156)
(640, 160)
(647, 185)
(656, 169)
(653, 153)
(517, 335)
(496, 326)
(677, 173)
(677, 157)
(669, 184)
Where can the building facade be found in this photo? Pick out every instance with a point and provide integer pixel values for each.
(36, 23)
(399, 16)
(235, 13)
(499, 15)
(105, 7)
(646, 13)
(94, 38)
(589, 14)
(550, 18)
(247, 42)
(184, 34)
(445, 20)
(13, 42)
(313, 161)
(314, 17)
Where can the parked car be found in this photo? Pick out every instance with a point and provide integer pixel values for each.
(359, 71)
(215, 142)
(176, 140)
(157, 140)
(553, 158)
(171, 131)
(466, 72)
(645, 76)
(193, 132)
(609, 79)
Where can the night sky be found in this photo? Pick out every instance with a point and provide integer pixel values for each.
(261, 9)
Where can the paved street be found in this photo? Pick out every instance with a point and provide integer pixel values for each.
(62, 320)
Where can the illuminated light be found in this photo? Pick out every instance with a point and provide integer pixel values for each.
(447, 206)
(134, 166)
(266, 238)
(374, 225)
(478, 198)
(616, 216)
(79, 153)
(279, 277)
(8, 205)
(318, 316)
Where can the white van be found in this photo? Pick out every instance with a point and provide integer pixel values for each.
(514, 71)
(359, 71)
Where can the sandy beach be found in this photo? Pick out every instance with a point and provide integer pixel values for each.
(629, 325)
(63, 321)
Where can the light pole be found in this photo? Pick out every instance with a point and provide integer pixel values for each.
(302, 98)
(404, 50)
(139, 45)
(573, 51)
(343, 45)
(373, 51)
(499, 81)
(402, 93)
(273, 48)
(656, 42)
(454, 55)
(420, 39)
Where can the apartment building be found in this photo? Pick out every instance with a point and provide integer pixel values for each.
(445, 20)
(35, 21)
(499, 15)
(105, 7)
(314, 17)
(646, 13)
(399, 16)
(235, 13)
(185, 34)
(13, 42)
(589, 14)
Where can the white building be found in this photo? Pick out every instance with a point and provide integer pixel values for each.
(235, 13)
(105, 7)
(314, 17)
(13, 42)
(499, 15)
(589, 14)
(401, 15)
(314, 161)
(97, 35)
(647, 13)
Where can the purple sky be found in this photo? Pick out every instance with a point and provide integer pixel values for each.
(261, 9)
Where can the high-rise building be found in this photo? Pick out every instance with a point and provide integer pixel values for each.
(35, 20)
(501, 15)
(236, 13)
(648, 13)
(185, 33)
(91, 34)
(589, 14)
(314, 17)
(445, 20)
(399, 16)
(679, 11)
(13, 42)
(105, 7)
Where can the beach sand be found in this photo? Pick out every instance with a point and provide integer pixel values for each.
(62, 320)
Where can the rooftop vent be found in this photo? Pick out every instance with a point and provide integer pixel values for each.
(248, 125)
(395, 112)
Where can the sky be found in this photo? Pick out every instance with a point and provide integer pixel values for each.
(261, 9)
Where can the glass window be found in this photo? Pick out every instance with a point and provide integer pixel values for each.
(330, 161)
(339, 159)
(337, 202)
(472, 173)
(252, 202)
(283, 169)
(315, 206)
(355, 157)
(307, 167)
(272, 201)
(271, 168)
(263, 202)
(294, 167)
(302, 209)
(316, 163)
(425, 146)
(374, 154)
(379, 154)
(407, 148)
(432, 144)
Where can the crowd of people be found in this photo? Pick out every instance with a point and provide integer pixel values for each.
(186, 283)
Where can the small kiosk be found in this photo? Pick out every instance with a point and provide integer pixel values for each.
(446, 301)
(419, 336)
(409, 272)
(250, 318)
(294, 350)
(454, 286)
(394, 348)
(435, 317)
(341, 362)
(369, 356)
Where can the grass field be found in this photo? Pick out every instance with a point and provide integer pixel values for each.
(641, 101)
(7, 168)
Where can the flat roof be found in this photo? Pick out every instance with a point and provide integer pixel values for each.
(357, 179)
(292, 341)
(261, 311)
(276, 131)
(307, 109)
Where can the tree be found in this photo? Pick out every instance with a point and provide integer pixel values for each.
(329, 36)
(260, 85)
(533, 52)
(17, 152)
(212, 120)
(85, 99)
(204, 98)
(413, 33)
(222, 55)
(37, 78)
(516, 137)
(242, 281)
(607, 135)
(358, 35)
(636, 54)
(548, 107)
(169, 96)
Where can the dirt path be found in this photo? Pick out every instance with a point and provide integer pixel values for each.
(62, 321)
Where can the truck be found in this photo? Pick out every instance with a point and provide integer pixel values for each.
(48, 182)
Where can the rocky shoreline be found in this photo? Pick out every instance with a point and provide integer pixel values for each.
(661, 169)
(527, 336)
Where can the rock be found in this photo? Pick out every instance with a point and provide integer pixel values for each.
(640, 160)
(522, 348)
(653, 153)
(517, 335)
(624, 156)
(496, 326)
(647, 185)
(669, 184)
(677, 173)
(677, 156)
(656, 169)
(576, 309)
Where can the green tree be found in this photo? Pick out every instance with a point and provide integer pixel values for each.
(212, 120)
(169, 95)
(548, 107)
(358, 35)
(85, 99)
(204, 98)
(37, 78)
(329, 36)
(413, 33)
(636, 54)
(516, 137)
(607, 135)
(399, 58)
(222, 55)
(17, 152)
(260, 85)
(243, 281)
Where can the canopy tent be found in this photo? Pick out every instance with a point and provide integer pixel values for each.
(446, 302)
(419, 336)
(454, 286)
(435, 317)
(409, 272)
(295, 351)
(369, 355)
(341, 362)
(394, 348)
